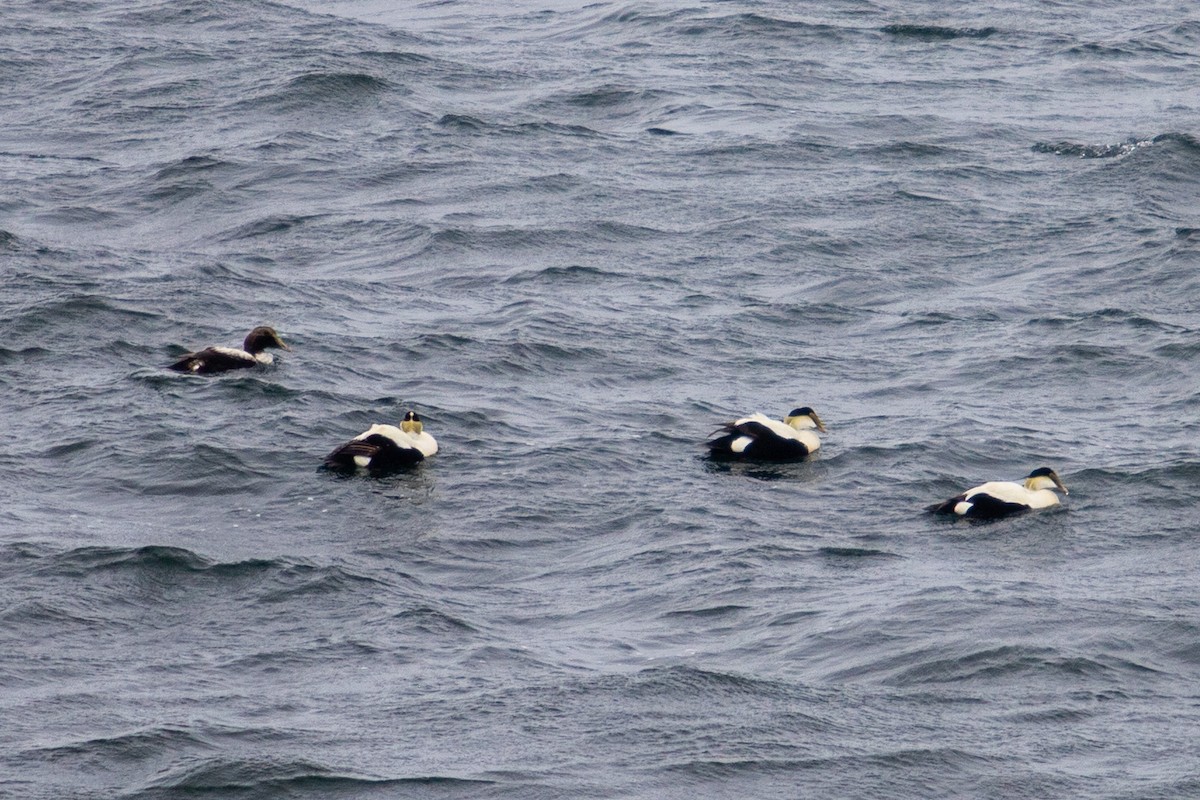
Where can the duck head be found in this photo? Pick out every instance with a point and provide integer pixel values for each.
(804, 417)
(1044, 478)
(412, 423)
(261, 338)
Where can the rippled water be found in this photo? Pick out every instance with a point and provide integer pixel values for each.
(577, 238)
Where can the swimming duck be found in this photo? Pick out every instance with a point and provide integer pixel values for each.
(223, 359)
(383, 448)
(760, 437)
(1002, 498)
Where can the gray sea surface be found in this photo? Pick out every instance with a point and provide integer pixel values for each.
(577, 238)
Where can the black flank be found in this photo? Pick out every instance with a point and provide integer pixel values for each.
(208, 361)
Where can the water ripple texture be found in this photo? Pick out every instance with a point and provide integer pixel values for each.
(578, 238)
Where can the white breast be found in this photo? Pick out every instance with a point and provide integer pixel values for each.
(424, 442)
(809, 438)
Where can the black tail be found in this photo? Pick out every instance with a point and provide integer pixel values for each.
(946, 507)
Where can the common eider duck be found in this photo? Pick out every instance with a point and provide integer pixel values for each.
(223, 359)
(384, 448)
(1002, 498)
(762, 438)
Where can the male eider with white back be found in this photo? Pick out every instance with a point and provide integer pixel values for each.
(222, 359)
(1003, 498)
(385, 448)
(761, 438)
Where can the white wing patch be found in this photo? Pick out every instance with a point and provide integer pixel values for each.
(780, 429)
(391, 432)
(422, 441)
(233, 352)
(1006, 491)
(1010, 492)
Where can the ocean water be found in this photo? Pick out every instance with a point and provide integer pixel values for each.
(576, 238)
